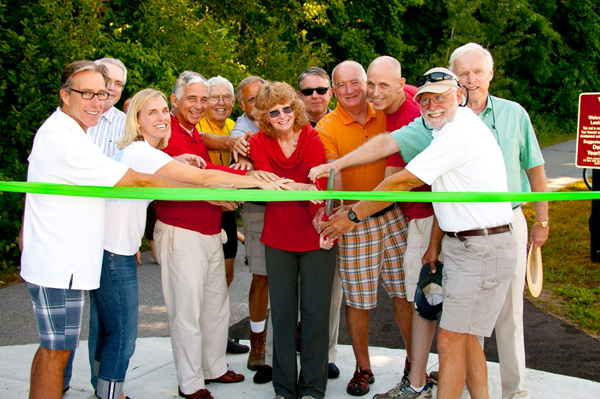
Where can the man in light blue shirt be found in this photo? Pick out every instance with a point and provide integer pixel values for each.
(112, 120)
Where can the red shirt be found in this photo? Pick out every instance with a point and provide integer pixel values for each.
(408, 111)
(197, 216)
(288, 225)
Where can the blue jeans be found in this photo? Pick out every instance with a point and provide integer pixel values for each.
(113, 323)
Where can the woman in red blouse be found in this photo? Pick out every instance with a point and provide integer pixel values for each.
(288, 146)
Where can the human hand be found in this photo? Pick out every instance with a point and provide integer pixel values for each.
(325, 243)
(280, 184)
(320, 171)
(192, 160)
(138, 258)
(338, 224)
(239, 145)
(262, 175)
(318, 219)
(242, 164)
(539, 235)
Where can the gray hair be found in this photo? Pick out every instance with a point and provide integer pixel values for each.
(185, 79)
(362, 69)
(245, 83)
(468, 49)
(313, 71)
(114, 61)
(219, 81)
(66, 79)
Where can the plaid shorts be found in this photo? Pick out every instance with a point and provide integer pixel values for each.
(58, 314)
(374, 249)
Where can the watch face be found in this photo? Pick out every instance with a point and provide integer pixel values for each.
(352, 216)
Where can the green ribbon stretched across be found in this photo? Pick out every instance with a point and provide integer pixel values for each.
(216, 194)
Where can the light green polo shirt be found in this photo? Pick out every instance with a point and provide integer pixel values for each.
(510, 125)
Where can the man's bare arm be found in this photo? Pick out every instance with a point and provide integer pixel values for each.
(340, 223)
(380, 146)
(215, 142)
(537, 180)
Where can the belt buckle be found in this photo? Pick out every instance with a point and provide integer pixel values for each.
(459, 237)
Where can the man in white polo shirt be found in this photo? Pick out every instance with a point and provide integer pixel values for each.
(479, 245)
(63, 236)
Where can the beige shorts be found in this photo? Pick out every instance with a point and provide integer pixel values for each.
(477, 273)
(253, 217)
(417, 242)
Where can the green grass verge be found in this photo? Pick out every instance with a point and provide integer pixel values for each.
(571, 281)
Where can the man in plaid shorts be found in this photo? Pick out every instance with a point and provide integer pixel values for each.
(375, 249)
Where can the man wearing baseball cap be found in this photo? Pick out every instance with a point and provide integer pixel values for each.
(479, 244)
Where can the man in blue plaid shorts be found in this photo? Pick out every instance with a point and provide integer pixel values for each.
(63, 236)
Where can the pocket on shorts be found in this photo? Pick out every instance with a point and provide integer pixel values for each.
(476, 247)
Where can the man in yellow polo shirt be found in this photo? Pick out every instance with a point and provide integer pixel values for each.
(375, 249)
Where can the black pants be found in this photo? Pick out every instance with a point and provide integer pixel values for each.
(316, 269)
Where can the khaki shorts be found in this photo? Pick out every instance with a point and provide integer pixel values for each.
(477, 273)
(373, 250)
(253, 217)
(417, 242)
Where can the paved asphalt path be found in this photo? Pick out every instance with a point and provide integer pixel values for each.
(551, 344)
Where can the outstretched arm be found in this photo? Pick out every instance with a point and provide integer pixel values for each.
(380, 146)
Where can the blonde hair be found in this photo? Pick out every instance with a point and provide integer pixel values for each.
(132, 131)
(269, 95)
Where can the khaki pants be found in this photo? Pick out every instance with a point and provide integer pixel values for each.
(197, 302)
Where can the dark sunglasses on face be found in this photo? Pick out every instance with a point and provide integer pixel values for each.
(275, 113)
(309, 91)
(434, 77)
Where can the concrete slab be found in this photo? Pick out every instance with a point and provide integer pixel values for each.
(152, 374)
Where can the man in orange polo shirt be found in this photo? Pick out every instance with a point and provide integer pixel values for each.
(375, 249)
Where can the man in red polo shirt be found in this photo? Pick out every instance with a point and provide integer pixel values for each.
(189, 249)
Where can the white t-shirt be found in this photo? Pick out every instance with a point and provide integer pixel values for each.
(464, 157)
(126, 218)
(63, 236)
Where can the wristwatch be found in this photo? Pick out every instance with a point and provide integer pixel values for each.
(352, 216)
(544, 224)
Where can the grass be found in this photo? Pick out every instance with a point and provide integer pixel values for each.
(571, 281)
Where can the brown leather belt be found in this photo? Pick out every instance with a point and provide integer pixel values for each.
(479, 232)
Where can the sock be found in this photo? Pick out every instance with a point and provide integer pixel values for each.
(417, 390)
(257, 326)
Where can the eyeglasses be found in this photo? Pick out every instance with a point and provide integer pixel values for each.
(116, 83)
(275, 113)
(227, 98)
(434, 77)
(309, 91)
(424, 102)
(88, 95)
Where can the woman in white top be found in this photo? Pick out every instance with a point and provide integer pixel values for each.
(114, 306)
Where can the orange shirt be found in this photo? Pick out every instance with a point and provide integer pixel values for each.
(341, 134)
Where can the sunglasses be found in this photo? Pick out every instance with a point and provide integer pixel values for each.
(434, 77)
(309, 91)
(275, 113)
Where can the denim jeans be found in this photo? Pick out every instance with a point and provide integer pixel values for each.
(113, 323)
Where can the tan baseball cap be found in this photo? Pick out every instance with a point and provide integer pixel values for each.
(447, 79)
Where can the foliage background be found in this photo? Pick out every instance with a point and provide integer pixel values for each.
(546, 52)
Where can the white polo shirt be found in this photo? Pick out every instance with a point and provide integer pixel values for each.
(63, 236)
(126, 218)
(464, 157)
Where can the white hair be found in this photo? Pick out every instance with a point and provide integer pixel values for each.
(468, 49)
(114, 61)
(185, 79)
(219, 81)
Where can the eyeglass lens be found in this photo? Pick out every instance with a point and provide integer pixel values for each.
(286, 110)
(309, 90)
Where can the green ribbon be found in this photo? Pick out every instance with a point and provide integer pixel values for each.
(217, 194)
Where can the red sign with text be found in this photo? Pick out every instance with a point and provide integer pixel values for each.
(588, 131)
